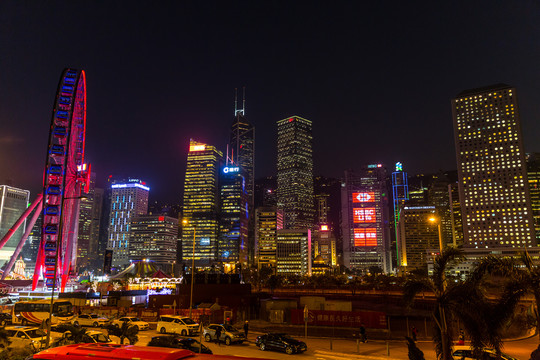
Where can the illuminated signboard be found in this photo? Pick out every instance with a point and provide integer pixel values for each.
(360, 197)
(374, 166)
(227, 170)
(201, 147)
(365, 237)
(324, 227)
(399, 166)
(364, 215)
(121, 186)
(205, 241)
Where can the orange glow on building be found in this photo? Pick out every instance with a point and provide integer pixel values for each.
(365, 237)
(324, 227)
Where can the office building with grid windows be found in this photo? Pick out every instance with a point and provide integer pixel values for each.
(295, 172)
(492, 173)
(154, 238)
(128, 199)
(201, 204)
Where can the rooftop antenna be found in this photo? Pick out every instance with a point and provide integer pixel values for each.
(244, 101)
(235, 101)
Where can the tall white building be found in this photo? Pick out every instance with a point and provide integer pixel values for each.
(492, 173)
(13, 202)
(128, 199)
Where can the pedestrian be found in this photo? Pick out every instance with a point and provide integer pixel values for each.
(246, 328)
(461, 338)
(363, 337)
(414, 333)
(218, 335)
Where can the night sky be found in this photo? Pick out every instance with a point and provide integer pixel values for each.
(375, 78)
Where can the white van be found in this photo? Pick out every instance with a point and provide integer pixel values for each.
(177, 325)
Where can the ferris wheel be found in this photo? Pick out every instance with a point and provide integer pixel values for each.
(64, 177)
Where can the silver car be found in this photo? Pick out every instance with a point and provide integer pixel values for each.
(229, 334)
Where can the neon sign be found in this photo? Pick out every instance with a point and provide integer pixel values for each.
(399, 166)
(197, 147)
(365, 237)
(364, 215)
(227, 170)
(205, 241)
(324, 227)
(132, 185)
(360, 197)
(374, 166)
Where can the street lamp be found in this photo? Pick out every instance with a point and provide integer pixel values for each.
(437, 220)
(185, 222)
(56, 256)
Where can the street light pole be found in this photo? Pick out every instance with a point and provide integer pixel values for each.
(192, 272)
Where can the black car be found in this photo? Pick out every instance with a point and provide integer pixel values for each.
(5, 319)
(280, 342)
(177, 342)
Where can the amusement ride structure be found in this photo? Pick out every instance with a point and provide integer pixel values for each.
(64, 178)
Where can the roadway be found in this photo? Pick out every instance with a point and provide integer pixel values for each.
(323, 349)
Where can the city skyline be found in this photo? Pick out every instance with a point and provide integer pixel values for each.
(375, 84)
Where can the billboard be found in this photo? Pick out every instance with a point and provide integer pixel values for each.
(365, 237)
(364, 215)
(362, 197)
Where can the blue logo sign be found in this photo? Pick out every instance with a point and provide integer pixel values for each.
(205, 241)
(231, 170)
(226, 254)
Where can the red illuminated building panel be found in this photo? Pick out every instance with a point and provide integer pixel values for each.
(362, 197)
(365, 237)
(364, 215)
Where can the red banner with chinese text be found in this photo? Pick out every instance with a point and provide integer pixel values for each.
(370, 319)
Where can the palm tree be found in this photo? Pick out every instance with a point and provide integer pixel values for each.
(463, 300)
(524, 277)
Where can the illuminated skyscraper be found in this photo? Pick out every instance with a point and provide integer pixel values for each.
(201, 204)
(86, 212)
(154, 237)
(400, 194)
(455, 206)
(128, 199)
(295, 172)
(242, 148)
(234, 215)
(365, 217)
(268, 220)
(13, 202)
(492, 173)
(418, 236)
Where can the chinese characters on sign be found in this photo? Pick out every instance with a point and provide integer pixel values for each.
(365, 237)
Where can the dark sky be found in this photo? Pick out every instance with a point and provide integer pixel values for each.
(376, 79)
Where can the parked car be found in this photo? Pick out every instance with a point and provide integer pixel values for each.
(28, 336)
(89, 337)
(177, 342)
(280, 342)
(229, 334)
(131, 321)
(5, 319)
(90, 320)
(177, 325)
(465, 352)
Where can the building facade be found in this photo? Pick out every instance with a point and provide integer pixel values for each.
(492, 173)
(13, 202)
(295, 172)
(128, 199)
(234, 215)
(154, 238)
(201, 204)
(268, 220)
(533, 176)
(418, 236)
(293, 252)
(365, 219)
